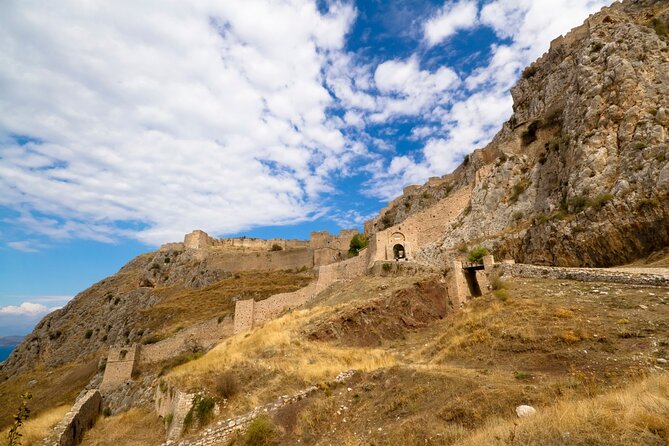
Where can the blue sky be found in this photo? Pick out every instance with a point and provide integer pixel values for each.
(126, 125)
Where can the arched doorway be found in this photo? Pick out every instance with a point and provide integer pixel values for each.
(398, 252)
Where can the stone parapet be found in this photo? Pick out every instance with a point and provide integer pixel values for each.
(82, 416)
(584, 274)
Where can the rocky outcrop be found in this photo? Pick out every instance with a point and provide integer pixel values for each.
(579, 175)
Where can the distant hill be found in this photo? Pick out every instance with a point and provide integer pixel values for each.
(10, 341)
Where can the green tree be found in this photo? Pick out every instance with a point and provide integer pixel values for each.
(358, 243)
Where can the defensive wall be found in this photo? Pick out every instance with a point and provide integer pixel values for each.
(421, 228)
(200, 336)
(121, 364)
(70, 430)
(249, 313)
(247, 254)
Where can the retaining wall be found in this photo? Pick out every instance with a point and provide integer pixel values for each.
(583, 274)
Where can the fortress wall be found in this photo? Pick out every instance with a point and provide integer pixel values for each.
(249, 313)
(82, 416)
(203, 335)
(121, 364)
(270, 260)
(201, 240)
(421, 228)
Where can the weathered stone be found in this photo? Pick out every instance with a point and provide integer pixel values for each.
(525, 411)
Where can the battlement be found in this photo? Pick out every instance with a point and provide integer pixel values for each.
(199, 239)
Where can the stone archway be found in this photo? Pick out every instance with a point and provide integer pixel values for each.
(399, 253)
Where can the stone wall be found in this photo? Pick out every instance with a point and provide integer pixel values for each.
(201, 336)
(266, 260)
(172, 405)
(121, 364)
(82, 416)
(583, 274)
(199, 239)
(249, 314)
(422, 228)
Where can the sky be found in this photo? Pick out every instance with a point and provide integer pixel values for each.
(125, 125)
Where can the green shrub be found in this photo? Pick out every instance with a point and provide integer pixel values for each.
(517, 191)
(151, 339)
(386, 267)
(660, 27)
(357, 244)
(106, 412)
(21, 415)
(476, 255)
(649, 203)
(596, 47)
(260, 432)
(168, 419)
(276, 247)
(88, 334)
(204, 409)
(577, 204)
(518, 215)
(600, 200)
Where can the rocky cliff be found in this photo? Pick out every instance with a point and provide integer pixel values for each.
(579, 174)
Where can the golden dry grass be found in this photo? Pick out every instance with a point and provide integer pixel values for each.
(182, 307)
(636, 415)
(36, 429)
(136, 427)
(279, 360)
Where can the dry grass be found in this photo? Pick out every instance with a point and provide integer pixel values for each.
(136, 427)
(49, 389)
(637, 415)
(183, 307)
(36, 429)
(278, 361)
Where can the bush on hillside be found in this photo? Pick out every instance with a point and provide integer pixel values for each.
(476, 255)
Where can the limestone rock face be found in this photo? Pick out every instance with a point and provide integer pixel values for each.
(580, 173)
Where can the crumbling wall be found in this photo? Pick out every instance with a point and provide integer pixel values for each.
(172, 405)
(264, 261)
(121, 364)
(584, 274)
(82, 416)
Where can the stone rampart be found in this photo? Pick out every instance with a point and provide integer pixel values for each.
(82, 416)
(199, 239)
(421, 228)
(583, 274)
(201, 336)
(249, 313)
(269, 260)
(121, 364)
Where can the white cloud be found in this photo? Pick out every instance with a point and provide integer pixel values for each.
(25, 246)
(26, 309)
(452, 17)
(174, 116)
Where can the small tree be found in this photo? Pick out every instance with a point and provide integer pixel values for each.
(358, 243)
(276, 247)
(476, 255)
(14, 436)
